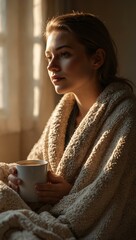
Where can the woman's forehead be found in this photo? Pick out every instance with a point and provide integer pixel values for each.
(57, 39)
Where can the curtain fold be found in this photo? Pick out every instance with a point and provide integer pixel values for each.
(18, 125)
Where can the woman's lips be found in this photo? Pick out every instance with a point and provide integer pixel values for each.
(56, 80)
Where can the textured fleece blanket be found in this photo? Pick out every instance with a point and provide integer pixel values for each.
(100, 162)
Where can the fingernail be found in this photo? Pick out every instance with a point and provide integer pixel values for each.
(18, 181)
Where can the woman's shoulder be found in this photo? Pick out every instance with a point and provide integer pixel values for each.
(118, 98)
(119, 92)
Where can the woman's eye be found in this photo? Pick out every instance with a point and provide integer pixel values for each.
(65, 54)
(48, 58)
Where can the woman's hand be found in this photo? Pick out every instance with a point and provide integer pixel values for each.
(54, 190)
(13, 181)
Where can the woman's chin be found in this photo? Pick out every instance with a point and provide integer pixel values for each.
(60, 90)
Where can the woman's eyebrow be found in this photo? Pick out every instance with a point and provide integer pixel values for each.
(63, 46)
(60, 47)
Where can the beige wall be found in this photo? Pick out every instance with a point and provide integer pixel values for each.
(16, 146)
(120, 17)
(9, 147)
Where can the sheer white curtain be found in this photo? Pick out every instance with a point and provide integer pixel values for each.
(26, 95)
(38, 98)
(37, 93)
(9, 66)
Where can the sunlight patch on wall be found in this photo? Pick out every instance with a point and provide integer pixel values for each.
(2, 15)
(1, 78)
(37, 16)
(36, 77)
(2, 52)
(37, 12)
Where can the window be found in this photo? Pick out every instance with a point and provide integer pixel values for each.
(3, 56)
(26, 94)
(37, 50)
(21, 52)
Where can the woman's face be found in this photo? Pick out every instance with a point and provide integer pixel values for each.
(69, 67)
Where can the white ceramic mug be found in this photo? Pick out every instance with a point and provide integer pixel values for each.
(31, 172)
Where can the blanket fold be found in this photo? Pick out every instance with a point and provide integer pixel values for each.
(99, 161)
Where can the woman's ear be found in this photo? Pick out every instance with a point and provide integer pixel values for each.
(98, 58)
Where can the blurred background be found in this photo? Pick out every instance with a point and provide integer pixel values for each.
(26, 95)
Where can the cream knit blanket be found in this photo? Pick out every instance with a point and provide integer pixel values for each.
(100, 161)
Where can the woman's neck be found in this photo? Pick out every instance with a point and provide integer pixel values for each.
(85, 102)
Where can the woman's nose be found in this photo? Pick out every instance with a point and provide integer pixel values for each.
(53, 65)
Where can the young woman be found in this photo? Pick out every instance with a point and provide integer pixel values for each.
(90, 138)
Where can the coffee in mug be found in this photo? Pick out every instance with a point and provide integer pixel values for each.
(31, 172)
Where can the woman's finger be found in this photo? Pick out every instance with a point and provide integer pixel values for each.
(50, 194)
(46, 187)
(54, 178)
(14, 187)
(13, 170)
(14, 179)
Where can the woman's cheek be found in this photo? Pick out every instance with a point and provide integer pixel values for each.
(69, 65)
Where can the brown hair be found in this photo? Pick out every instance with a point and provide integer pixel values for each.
(93, 34)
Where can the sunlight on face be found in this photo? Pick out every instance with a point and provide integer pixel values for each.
(69, 67)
